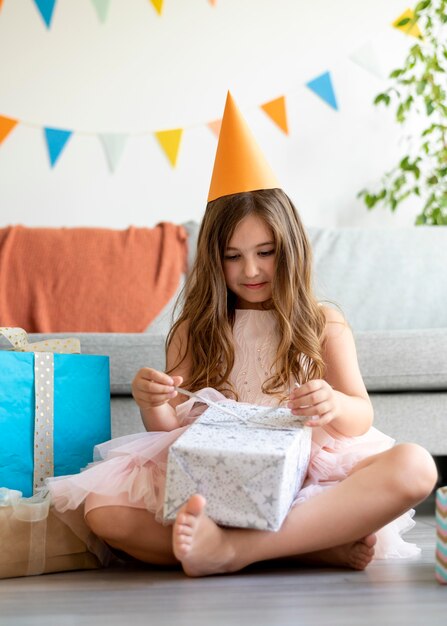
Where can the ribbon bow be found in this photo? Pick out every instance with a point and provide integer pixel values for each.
(18, 339)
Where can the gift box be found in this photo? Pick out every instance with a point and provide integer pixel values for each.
(35, 541)
(441, 535)
(54, 408)
(248, 468)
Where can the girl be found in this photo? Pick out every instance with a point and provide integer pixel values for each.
(250, 327)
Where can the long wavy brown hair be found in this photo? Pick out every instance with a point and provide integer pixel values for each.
(208, 306)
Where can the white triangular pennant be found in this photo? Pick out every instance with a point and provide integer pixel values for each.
(102, 8)
(113, 144)
(367, 57)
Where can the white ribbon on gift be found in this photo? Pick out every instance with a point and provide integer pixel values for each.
(44, 392)
(33, 511)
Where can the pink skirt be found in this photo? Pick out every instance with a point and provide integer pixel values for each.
(131, 471)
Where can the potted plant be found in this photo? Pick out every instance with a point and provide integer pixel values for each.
(419, 87)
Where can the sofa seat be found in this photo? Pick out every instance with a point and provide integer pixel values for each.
(403, 360)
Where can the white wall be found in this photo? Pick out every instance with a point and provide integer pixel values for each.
(139, 72)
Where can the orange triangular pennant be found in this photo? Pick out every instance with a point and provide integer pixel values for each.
(239, 165)
(158, 5)
(169, 140)
(6, 125)
(215, 127)
(1, 3)
(276, 110)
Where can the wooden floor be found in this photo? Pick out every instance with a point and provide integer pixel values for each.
(387, 593)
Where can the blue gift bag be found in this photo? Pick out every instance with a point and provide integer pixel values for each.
(73, 391)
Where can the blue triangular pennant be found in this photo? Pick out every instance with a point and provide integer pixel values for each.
(56, 140)
(322, 86)
(46, 8)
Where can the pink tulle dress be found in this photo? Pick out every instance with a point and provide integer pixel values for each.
(131, 470)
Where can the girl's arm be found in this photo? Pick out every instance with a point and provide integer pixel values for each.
(341, 399)
(153, 390)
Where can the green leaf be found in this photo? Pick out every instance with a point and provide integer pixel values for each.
(421, 85)
(370, 200)
(429, 107)
(382, 97)
(422, 5)
(400, 113)
(404, 164)
(396, 73)
(403, 22)
(420, 220)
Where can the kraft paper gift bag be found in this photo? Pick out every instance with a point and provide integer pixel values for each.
(34, 541)
(54, 408)
(248, 468)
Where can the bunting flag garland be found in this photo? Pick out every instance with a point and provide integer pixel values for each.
(276, 110)
(102, 8)
(1, 4)
(46, 8)
(366, 57)
(169, 140)
(113, 144)
(407, 24)
(322, 87)
(158, 5)
(6, 126)
(56, 141)
(215, 127)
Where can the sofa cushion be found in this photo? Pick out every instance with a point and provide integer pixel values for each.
(383, 279)
(394, 360)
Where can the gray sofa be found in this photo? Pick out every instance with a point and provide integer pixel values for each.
(392, 287)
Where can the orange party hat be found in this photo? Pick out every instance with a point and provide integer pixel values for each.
(239, 165)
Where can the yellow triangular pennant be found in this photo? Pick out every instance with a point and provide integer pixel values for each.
(409, 25)
(276, 110)
(169, 140)
(158, 5)
(6, 126)
(215, 127)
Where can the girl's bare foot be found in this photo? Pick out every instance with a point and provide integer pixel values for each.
(356, 555)
(198, 542)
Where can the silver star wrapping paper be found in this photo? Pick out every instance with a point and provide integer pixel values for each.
(248, 469)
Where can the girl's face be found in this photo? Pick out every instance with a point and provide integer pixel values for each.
(249, 263)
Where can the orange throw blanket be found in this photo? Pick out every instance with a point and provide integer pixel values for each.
(88, 279)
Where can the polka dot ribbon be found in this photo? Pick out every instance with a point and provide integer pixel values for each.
(18, 339)
(44, 390)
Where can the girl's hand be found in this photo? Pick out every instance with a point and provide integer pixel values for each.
(151, 388)
(316, 400)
